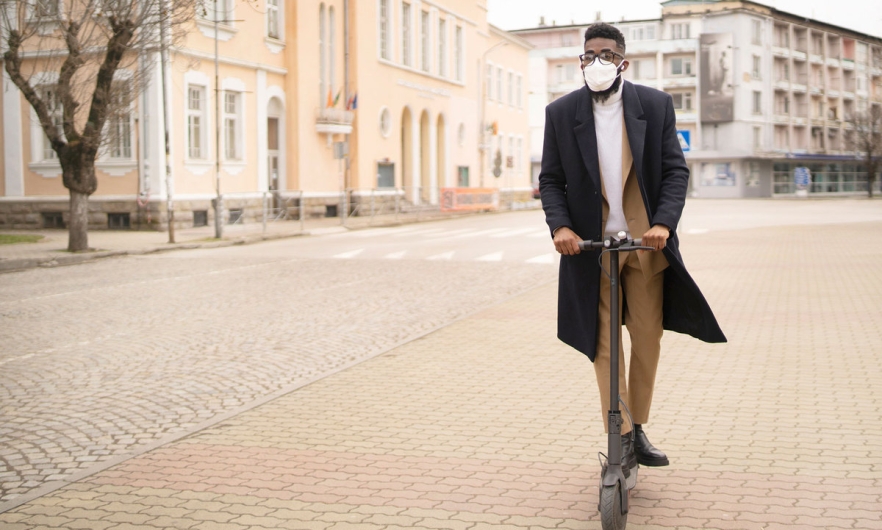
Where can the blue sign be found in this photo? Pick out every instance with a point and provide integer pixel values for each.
(802, 176)
(685, 142)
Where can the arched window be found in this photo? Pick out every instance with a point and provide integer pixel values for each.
(323, 87)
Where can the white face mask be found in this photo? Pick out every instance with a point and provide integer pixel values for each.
(599, 76)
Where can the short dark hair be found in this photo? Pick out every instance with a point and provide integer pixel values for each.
(602, 30)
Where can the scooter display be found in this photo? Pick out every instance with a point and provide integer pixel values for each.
(614, 485)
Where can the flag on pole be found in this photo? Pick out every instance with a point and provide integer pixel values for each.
(353, 102)
(330, 102)
(337, 98)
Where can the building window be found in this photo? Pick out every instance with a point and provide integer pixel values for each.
(442, 48)
(384, 29)
(757, 67)
(680, 31)
(681, 66)
(459, 53)
(519, 165)
(510, 89)
(219, 11)
(757, 102)
(424, 34)
(53, 106)
(332, 52)
(405, 33)
(272, 19)
(499, 84)
(571, 71)
(756, 31)
(196, 108)
(119, 123)
(46, 9)
(323, 72)
(682, 101)
(518, 88)
(757, 137)
(232, 125)
(489, 81)
(385, 122)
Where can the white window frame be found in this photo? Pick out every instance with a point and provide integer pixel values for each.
(232, 125)
(119, 130)
(51, 14)
(499, 84)
(227, 9)
(459, 52)
(510, 88)
(756, 31)
(685, 67)
(383, 29)
(489, 80)
(757, 72)
(406, 34)
(46, 153)
(442, 47)
(757, 105)
(519, 80)
(425, 41)
(202, 124)
(274, 19)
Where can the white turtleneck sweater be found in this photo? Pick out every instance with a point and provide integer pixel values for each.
(608, 122)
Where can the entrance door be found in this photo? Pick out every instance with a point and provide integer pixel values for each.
(273, 159)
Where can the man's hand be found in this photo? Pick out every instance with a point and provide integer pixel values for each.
(656, 237)
(566, 241)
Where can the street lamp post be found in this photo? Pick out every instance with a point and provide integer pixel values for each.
(482, 96)
(218, 201)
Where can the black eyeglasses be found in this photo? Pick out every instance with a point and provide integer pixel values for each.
(606, 57)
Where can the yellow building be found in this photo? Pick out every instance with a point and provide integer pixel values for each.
(318, 100)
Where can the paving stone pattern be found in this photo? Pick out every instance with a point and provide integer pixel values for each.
(491, 423)
(103, 358)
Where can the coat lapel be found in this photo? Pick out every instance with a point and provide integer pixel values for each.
(635, 124)
(586, 137)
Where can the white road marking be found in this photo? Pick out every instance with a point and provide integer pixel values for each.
(697, 231)
(512, 233)
(478, 233)
(496, 256)
(446, 256)
(544, 258)
(396, 255)
(540, 233)
(350, 254)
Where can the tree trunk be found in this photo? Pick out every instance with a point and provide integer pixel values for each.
(871, 175)
(78, 223)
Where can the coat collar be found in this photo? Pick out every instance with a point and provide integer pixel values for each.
(635, 125)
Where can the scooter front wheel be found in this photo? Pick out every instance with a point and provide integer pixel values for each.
(611, 516)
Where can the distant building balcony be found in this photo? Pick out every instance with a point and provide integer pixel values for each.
(333, 121)
(780, 51)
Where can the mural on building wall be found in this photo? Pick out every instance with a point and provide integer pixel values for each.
(717, 97)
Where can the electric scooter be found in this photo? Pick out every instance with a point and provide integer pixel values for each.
(614, 487)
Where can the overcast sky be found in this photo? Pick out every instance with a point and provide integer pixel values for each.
(862, 15)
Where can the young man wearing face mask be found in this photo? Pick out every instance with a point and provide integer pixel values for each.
(611, 162)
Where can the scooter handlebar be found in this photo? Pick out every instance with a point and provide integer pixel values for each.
(607, 243)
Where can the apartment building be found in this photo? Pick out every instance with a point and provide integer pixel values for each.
(315, 104)
(758, 92)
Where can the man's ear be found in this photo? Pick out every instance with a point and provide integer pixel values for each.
(625, 65)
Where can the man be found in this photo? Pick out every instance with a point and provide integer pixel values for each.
(612, 162)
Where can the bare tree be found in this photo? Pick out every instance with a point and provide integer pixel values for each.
(865, 138)
(97, 48)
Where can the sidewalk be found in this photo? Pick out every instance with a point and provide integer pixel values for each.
(492, 423)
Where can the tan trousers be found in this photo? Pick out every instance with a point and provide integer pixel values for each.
(643, 318)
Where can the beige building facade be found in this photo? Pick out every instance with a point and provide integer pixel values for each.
(307, 105)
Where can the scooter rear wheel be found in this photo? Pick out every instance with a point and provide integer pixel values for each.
(611, 516)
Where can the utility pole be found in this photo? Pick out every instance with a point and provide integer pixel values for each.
(169, 180)
(219, 200)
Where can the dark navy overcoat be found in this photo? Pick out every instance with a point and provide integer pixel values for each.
(569, 184)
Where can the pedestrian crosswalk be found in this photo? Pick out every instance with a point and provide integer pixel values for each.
(530, 245)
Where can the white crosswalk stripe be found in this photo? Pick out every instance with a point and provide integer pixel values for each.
(496, 256)
(349, 255)
(544, 259)
(512, 233)
(396, 255)
(446, 256)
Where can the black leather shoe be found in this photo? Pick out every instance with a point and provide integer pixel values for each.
(646, 454)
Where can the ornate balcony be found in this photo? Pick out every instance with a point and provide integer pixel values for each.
(333, 121)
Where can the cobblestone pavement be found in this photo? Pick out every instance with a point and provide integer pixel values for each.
(102, 358)
(484, 422)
